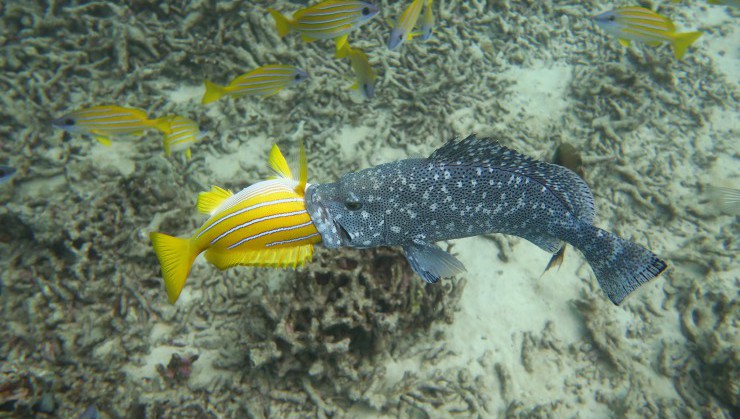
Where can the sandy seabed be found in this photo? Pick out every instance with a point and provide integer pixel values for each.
(355, 334)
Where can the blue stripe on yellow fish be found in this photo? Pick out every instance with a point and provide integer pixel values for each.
(405, 24)
(263, 81)
(641, 24)
(265, 224)
(102, 122)
(184, 133)
(471, 187)
(332, 19)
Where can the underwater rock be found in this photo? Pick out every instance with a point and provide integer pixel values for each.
(341, 314)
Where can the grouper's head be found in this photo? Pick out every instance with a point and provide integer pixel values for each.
(349, 212)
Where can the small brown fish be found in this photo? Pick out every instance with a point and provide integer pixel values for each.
(567, 156)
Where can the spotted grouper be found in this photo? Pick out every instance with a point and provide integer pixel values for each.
(470, 187)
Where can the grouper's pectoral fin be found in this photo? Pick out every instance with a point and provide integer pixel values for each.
(430, 262)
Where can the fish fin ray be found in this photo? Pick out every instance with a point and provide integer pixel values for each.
(682, 41)
(624, 42)
(282, 23)
(209, 201)
(103, 140)
(213, 92)
(278, 163)
(176, 256)
(284, 257)
(430, 262)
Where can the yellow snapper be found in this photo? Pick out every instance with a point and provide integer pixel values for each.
(184, 132)
(263, 81)
(265, 224)
(427, 22)
(405, 24)
(364, 74)
(332, 19)
(102, 122)
(641, 24)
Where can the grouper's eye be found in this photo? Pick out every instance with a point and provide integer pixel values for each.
(353, 205)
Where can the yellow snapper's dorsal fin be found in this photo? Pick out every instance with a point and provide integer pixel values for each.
(303, 171)
(209, 201)
(284, 257)
(278, 164)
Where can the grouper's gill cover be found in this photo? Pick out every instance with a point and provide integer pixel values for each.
(471, 187)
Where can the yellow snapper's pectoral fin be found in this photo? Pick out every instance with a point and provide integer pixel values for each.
(188, 154)
(285, 257)
(303, 171)
(624, 42)
(654, 43)
(307, 38)
(355, 86)
(166, 146)
(278, 163)
(209, 201)
(103, 140)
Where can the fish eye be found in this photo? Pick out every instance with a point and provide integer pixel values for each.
(69, 121)
(611, 18)
(365, 11)
(353, 205)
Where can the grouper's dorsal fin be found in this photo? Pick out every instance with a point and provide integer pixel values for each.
(485, 153)
(278, 164)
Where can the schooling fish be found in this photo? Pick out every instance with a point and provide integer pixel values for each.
(427, 22)
(641, 24)
(471, 187)
(265, 224)
(364, 74)
(184, 132)
(102, 122)
(6, 173)
(333, 19)
(263, 81)
(405, 24)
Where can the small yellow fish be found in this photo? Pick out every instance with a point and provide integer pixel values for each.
(364, 74)
(332, 19)
(265, 224)
(263, 81)
(184, 132)
(102, 122)
(405, 24)
(641, 24)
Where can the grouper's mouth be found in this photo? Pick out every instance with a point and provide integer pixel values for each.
(332, 233)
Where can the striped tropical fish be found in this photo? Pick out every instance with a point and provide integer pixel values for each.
(405, 24)
(102, 122)
(263, 81)
(641, 24)
(331, 19)
(184, 132)
(364, 74)
(265, 224)
(427, 22)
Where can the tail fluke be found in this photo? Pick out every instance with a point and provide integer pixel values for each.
(620, 266)
(213, 93)
(282, 22)
(176, 257)
(682, 41)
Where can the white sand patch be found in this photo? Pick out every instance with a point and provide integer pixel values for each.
(187, 93)
(120, 155)
(722, 48)
(539, 94)
(250, 154)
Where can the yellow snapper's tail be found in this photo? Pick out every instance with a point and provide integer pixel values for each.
(162, 124)
(283, 23)
(682, 41)
(213, 93)
(176, 257)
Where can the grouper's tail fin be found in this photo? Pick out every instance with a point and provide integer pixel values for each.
(620, 265)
